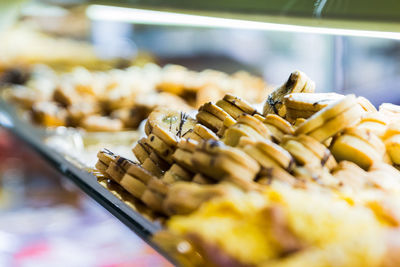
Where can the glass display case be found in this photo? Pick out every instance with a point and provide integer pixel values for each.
(346, 46)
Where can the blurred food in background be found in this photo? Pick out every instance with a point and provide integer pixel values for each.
(119, 99)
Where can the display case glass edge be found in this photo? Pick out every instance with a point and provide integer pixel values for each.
(85, 180)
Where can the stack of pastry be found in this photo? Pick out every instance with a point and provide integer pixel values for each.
(317, 143)
(121, 99)
(210, 85)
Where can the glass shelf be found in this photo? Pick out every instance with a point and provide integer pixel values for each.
(86, 181)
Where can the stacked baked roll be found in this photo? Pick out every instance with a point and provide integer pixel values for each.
(293, 185)
(117, 100)
(303, 139)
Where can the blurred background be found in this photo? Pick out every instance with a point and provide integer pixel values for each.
(44, 219)
(364, 65)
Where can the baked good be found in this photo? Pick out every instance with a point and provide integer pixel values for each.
(124, 98)
(262, 190)
(298, 82)
(304, 105)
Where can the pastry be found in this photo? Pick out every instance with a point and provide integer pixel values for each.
(133, 185)
(137, 171)
(271, 169)
(393, 148)
(254, 123)
(158, 186)
(303, 155)
(66, 95)
(216, 111)
(184, 153)
(49, 114)
(218, 161)
(351, 175)
(176, 173)
(246, 126)
(231, 109)
(321, 151)
(155, 165)
(298, 82)
(374, 122)
(233, 134)
(310, 101)
(160, 147)
(115, 171)
(210, 121)
(169, 125)
(184, 197)
(304, 105)
(102, 167)
(281, 124)
(314, 177)
(352, 148)
(141, 150)
(78, 111)
(327, 113)
(365, 104)
(124, 163)
(94, 123)
(276, 152)
(106, 156)
(367, 136)
(202, 179)
(277, 126)
(240, 103)
(220, 167)
(204, 133)
(153, 200)
(337, 124)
